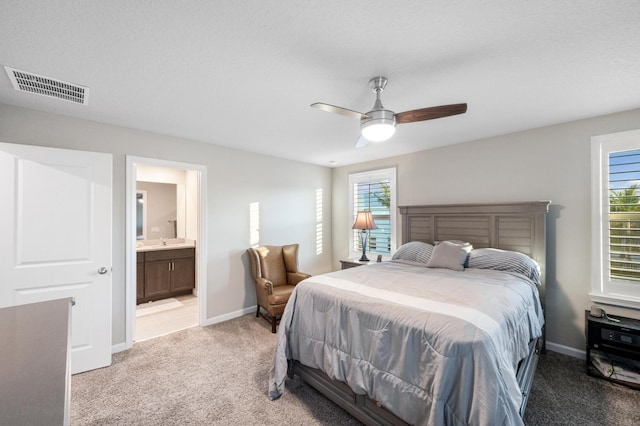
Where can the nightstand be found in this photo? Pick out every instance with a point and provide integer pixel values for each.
(353, 262)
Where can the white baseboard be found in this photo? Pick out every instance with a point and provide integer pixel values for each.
(118, 347)
(566, 350)
(230, 315)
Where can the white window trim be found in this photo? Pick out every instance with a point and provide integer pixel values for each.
(369, 176)
(604, 290)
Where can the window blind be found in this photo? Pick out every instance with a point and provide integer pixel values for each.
(624, 216)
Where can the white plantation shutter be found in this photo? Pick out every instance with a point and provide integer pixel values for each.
(373, 197)
(375, 192)
(616, 219)
(624, 215)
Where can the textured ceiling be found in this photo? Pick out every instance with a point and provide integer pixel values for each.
(243, 73)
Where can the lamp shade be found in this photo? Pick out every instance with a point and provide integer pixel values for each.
(364, 220)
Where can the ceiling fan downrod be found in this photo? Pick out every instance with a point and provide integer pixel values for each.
(377, 85)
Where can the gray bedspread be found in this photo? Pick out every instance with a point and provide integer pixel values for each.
(434, 346)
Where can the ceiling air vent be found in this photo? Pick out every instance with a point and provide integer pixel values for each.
(28, 82)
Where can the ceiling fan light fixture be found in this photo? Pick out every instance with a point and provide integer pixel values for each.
(378, 125)
(378, 130)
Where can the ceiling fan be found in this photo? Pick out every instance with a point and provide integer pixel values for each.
(379, 124)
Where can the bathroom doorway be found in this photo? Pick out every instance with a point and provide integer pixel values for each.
(166, 279)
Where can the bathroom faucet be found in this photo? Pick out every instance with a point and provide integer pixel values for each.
(164, 241)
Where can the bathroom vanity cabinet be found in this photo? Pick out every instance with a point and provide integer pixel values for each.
(165, 273)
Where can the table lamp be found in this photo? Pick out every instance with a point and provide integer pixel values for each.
(364, 222)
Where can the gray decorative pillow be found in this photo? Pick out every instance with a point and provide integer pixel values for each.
(414, 251)
(449, 256)
(467, 246)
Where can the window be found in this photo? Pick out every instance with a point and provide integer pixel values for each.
(615, 216)
(374, 191)
(141, 215)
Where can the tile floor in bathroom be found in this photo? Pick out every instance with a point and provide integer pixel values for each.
(165, 316)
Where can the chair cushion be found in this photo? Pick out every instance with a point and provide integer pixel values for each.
(280, 294)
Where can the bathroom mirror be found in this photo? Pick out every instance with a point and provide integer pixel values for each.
(158, 211)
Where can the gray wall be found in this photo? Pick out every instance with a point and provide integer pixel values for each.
(551, 163)
(286, 191)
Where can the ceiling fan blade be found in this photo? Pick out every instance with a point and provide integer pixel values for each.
(362, 142)
(339, 110)
(430, 113)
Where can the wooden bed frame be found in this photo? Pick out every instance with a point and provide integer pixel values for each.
(508, 226)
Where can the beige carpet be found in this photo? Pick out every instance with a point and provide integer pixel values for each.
(217, 375)
(563, 394)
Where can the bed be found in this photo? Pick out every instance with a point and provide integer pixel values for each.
(434, 336)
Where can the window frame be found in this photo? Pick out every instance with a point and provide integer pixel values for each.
(603, 289)
(374, 176)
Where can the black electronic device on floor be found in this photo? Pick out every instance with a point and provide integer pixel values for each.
(613, 348)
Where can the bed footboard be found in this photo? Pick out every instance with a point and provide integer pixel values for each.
(361, 407)
(373, 413)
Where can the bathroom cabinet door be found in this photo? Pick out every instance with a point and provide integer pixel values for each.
(183, 274)
(157, 280)
(140, 276)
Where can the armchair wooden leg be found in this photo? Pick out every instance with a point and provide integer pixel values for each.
(273, 324)
(258, 311)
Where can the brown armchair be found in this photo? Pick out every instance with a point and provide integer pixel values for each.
(275, 271)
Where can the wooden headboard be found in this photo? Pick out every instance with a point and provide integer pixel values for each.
(508, 226)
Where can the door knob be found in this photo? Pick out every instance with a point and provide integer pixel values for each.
(103, 270)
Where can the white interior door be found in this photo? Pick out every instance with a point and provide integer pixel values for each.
(55, 222)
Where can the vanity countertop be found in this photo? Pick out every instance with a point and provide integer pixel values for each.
(169, 244)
